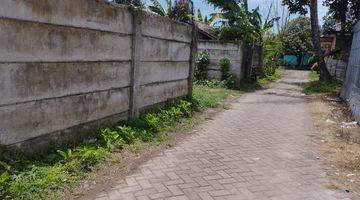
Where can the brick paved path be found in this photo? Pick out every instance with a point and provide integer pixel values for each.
(259, 149)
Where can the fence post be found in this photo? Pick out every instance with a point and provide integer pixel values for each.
(135, 65)
(192, 61)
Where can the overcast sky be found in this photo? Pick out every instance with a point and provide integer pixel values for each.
(262, 4)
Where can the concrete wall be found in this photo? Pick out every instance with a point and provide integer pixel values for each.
(217, 51)
(351, 87)
(66, 64)
(337, 68)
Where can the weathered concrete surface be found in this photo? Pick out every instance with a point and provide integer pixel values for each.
(351, 87)
(21, 82)
(160, 27)
(169, 71)
(35, 42)
(27, 120)
(156, 93)
(67, 64)
(80, 13)
(337, 68)
(260, 149)
(217, 51)
(165, 50)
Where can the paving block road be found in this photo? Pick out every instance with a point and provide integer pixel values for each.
(260, 149)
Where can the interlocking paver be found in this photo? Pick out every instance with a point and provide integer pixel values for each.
(259, 149)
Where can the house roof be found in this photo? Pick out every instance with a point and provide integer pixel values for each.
(207, 30)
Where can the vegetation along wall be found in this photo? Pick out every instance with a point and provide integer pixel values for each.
(68, 66)
(218, 50)
(351, 87)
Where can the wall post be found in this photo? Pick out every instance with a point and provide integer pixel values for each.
(192, 61)
(135, 65)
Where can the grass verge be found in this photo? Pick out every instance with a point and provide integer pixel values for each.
(318, 86)
(59, 171)
(267, 79)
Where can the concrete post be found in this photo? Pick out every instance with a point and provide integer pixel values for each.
(193, 54)
(135, 65)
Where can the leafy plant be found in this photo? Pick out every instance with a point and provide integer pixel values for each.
(109, 137)
(185, 108)
(66, 155)
(90, 155)
(126, 133)
(180, 10)
(175, 112)
(202, 64)
(4, 173)
(231, 81)
(240, 24)
(225, 68)
(213, 83)
(205, 20)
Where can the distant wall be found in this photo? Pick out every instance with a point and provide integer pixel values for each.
(219, 50)
(68, 64)
(351, 87)
(337, 68)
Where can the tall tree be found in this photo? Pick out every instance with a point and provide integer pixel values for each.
(303, 7)
(338, 9)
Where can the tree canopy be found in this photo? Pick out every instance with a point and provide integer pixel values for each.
(296, 36)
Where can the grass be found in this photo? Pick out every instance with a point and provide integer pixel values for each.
(50, 175)
(274, 77)
(316, 86)
(209, 97)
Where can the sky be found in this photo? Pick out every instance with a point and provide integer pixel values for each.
(263, 5)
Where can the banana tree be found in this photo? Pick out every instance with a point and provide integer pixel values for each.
(157, 8)
(241, 24)
(206, 20)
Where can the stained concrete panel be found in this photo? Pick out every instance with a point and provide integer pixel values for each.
(163, 71)
(77, 13)
(28, 120)
(33, 42)
(22, 82)
(161, 92)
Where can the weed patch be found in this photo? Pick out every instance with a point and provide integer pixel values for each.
(269, 78)
(318, 86)
(50, 175)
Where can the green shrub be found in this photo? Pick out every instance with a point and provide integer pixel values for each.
(213, 83)
(185, 108)
(126, 133)
(231, 81)
(202, 64)
(91, 155)
(109, 137)
(225, 68)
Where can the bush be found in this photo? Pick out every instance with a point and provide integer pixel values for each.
(202, 64)
(213, 83)
(225, 68)
(231, 81)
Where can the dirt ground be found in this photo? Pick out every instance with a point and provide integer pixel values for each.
(338, 139)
